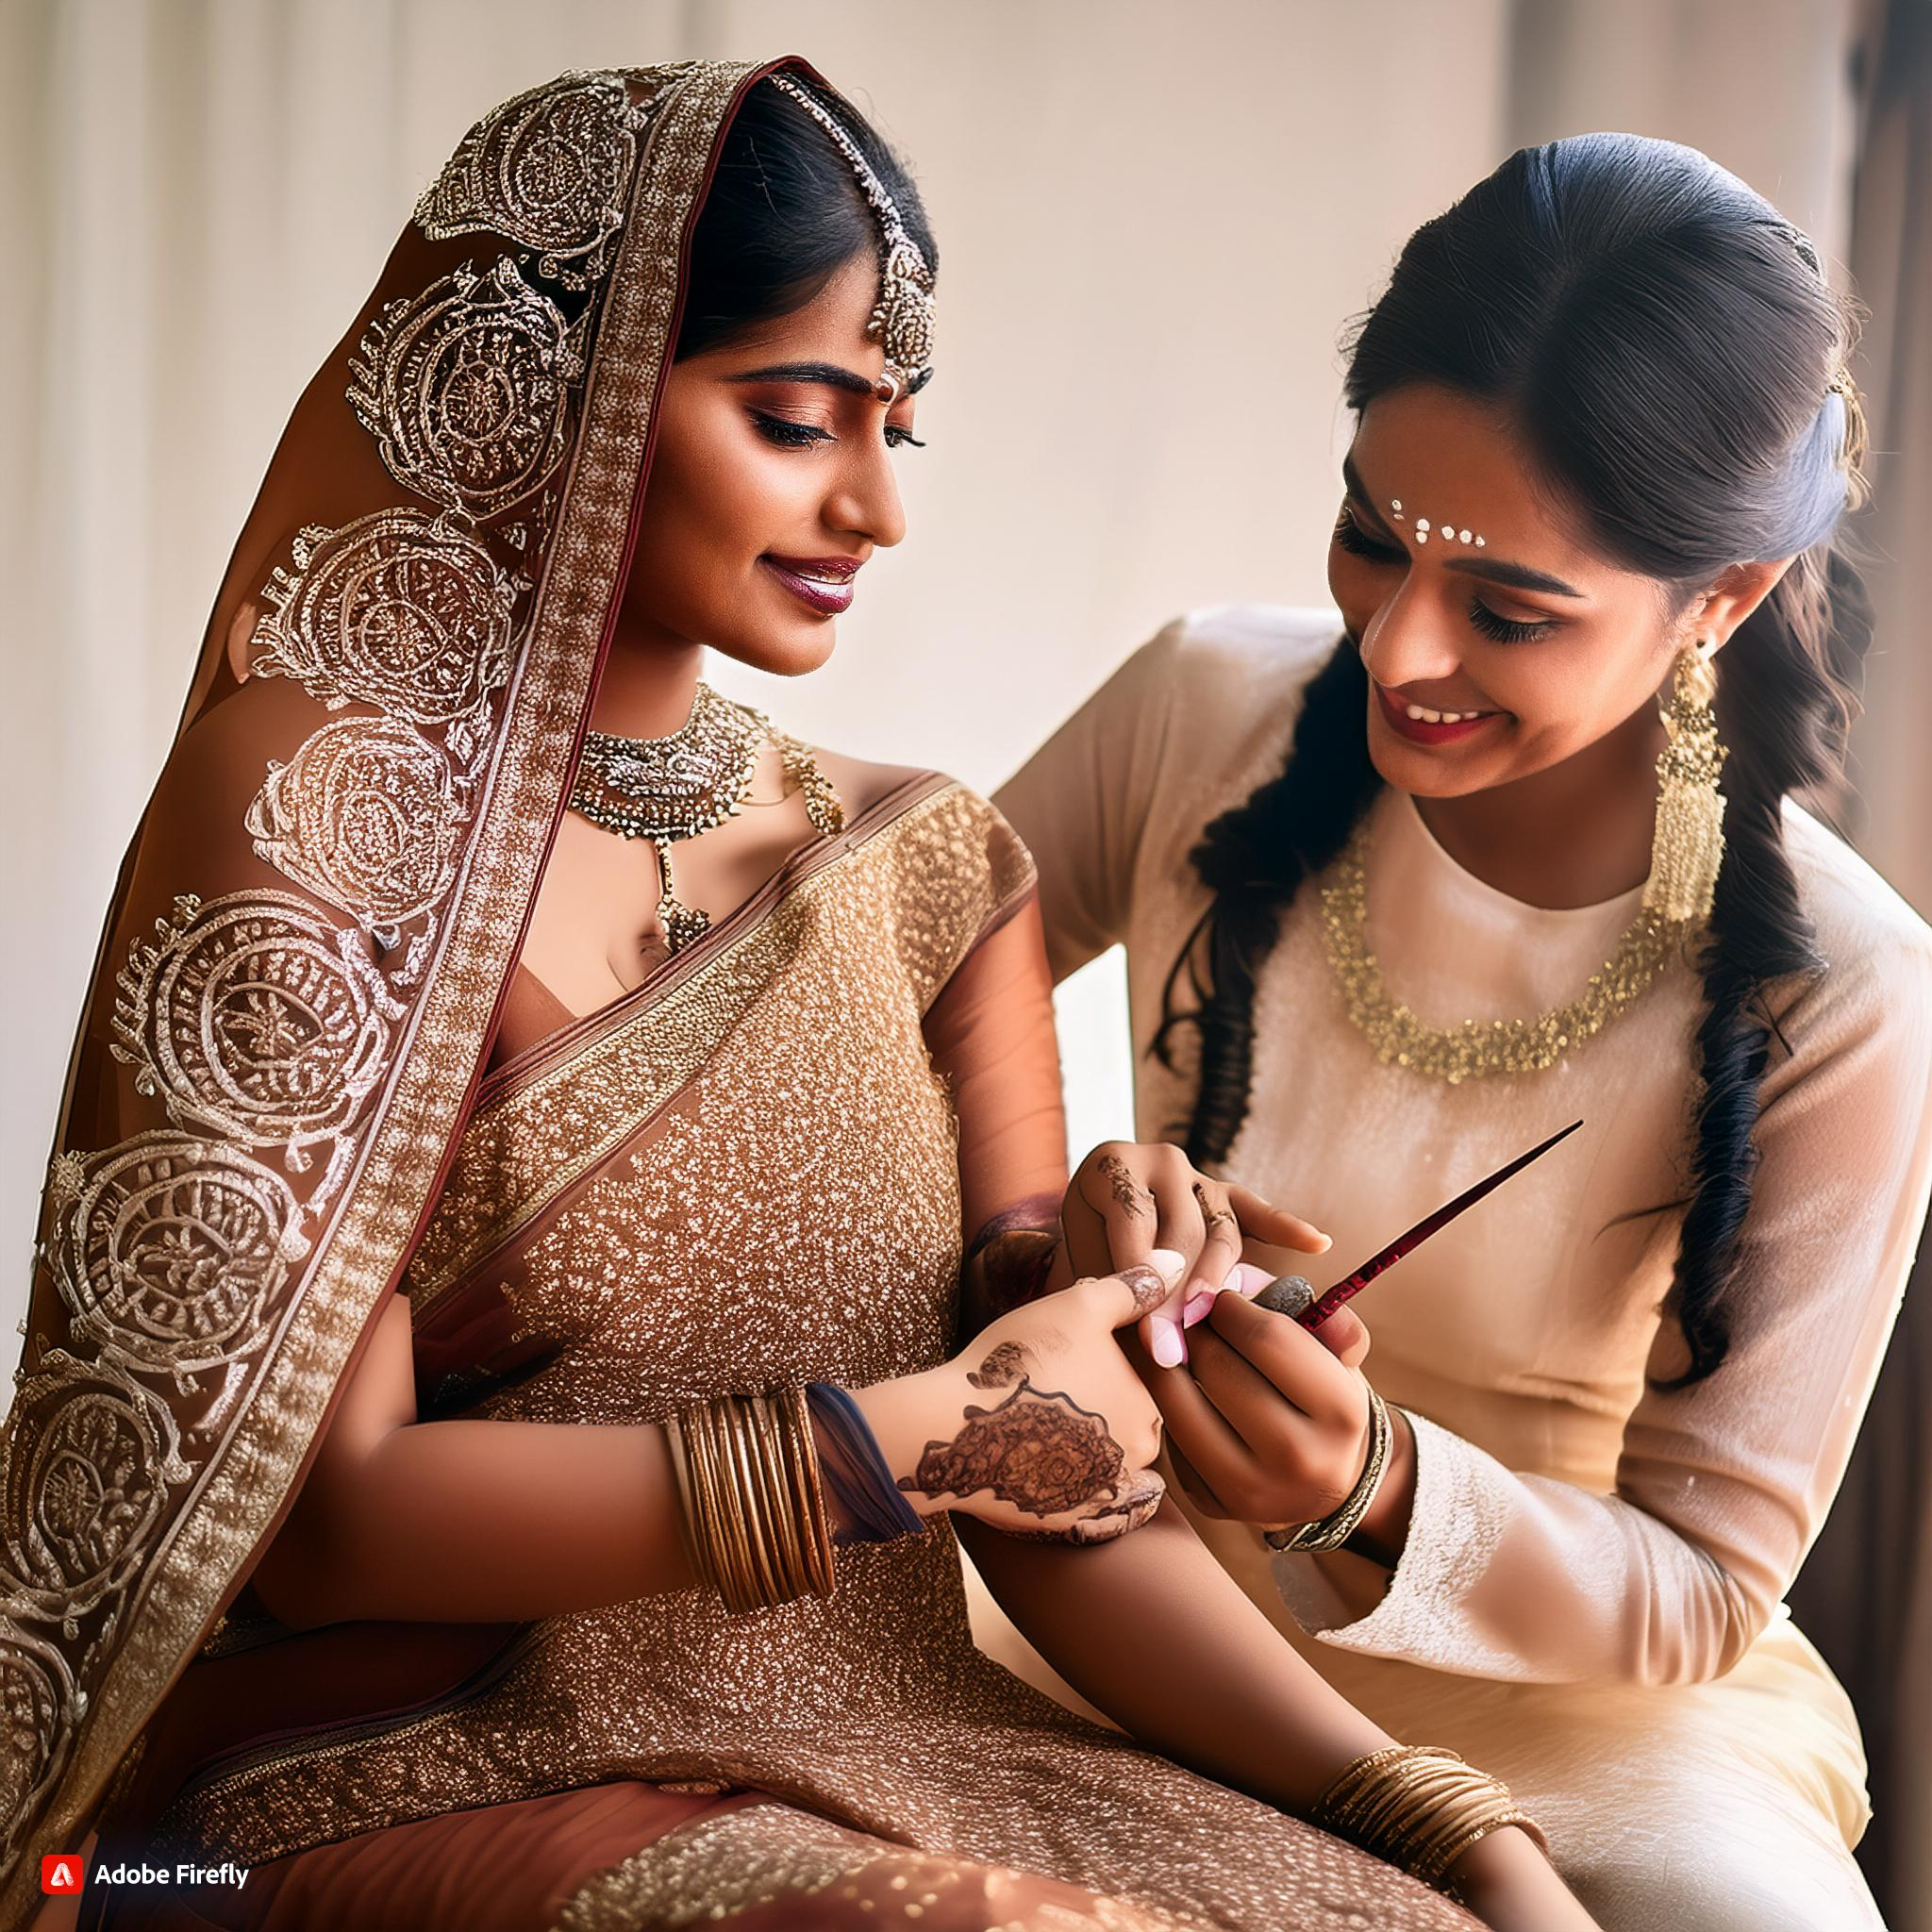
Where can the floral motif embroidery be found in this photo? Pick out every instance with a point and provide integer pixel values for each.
(170, 1251)
(255, 1018)
(464, 389)
(550, 170)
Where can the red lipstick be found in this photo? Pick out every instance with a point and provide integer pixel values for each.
(822, 584)
(1421, 730)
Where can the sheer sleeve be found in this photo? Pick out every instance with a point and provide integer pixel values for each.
(1721, 1485)
(1081, 803)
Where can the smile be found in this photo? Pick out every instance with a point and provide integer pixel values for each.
(1422, 725)
(822, 584)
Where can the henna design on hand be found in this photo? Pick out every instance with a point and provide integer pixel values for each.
(1129, 1194)
(1005, 1366)
(1040, 1450)
(1144, 1283)
(1215, 1217)
(1126, 1512)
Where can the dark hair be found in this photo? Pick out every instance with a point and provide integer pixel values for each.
(783, 214)
(1663, 342)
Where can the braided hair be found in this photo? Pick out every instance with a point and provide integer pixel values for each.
(1665, 344)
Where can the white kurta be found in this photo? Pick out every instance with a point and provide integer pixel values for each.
(1590, 1603)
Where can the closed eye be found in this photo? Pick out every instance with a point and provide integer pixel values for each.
(1508, 631)
(1353, 538)
(788, 434)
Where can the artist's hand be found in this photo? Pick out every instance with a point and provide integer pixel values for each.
(1127, 1199)
(1040, 1427)
(1269, 1423)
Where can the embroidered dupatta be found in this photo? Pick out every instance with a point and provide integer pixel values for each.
(310, 939)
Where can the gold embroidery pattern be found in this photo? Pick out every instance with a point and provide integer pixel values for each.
(85, 1498)
(549, 170)
(292, 1060)
(464, 389)
(400, 611)
(171, 1252)
(255, 1018)
(39, 1706)
(521, 1153)
(367, 816)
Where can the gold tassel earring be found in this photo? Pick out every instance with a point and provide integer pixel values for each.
(1688, 846)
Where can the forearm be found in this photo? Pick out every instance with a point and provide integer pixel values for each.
(484, 1521)
(1155, 1633)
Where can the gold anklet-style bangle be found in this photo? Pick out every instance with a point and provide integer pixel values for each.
(1420, 1807)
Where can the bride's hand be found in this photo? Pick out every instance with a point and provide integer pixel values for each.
(1127, 1199)
(1040, 1425)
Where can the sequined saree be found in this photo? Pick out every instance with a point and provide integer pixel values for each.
(281, 1113)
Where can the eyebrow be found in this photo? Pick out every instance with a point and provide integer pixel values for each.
(827, 374)
(1492, 570)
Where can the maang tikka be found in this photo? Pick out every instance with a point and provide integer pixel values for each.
(1687, 846)
(902, 321)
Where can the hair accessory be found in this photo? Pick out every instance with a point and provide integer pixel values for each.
(1687, 846)
(1448, 532)
(1420, 1807)
(1335, 1529)
(903, 320)
(1857, 438)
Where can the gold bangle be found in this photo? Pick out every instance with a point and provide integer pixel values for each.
(731, 1542)
(740, 1458)
(696, 1545)
(799, 1496)
(1331, 1531)
(1420, 1807)
(815, 1517)
(779, 1494)
(754, 1521)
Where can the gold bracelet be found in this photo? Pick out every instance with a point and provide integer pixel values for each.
(721, 1520)
(809, 1489)
(743, 1460)
(1331, 1531)
(1420, 1807)
(754, 1521)
(696, 1546)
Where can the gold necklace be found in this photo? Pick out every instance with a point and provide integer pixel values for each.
(1474, 1048)
(673, 788)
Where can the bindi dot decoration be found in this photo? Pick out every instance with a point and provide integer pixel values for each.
(1449, 533)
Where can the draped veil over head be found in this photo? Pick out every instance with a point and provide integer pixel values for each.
(309, 939)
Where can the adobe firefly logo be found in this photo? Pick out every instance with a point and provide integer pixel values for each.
(61, 1872)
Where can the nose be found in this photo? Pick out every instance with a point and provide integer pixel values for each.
(1410, 640)
(864, 499)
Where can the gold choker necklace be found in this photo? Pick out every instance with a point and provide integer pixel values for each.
(1473, 1048)
(668, 789)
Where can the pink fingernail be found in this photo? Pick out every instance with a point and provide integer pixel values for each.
(1170, 1351)
(1197, 1307)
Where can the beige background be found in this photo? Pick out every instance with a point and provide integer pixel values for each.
(1154, 217)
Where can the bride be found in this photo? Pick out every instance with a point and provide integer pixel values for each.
(485, 1445)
